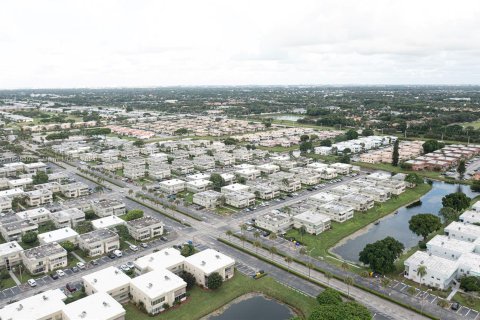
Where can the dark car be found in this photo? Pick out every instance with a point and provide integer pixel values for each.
(94, 262)
(54, 276)
(112, 255)
(455, 306)
(71, 288)
(75, 269)
(163, 239)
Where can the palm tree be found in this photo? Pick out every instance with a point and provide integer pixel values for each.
(288, 260)
(257, 245)
(348, 281)
(309, 266)
(345, 266)
(243, 227)
(329, 276)
(272, 236)
(256, 234)
(421, 272)
(302, 232)
(273, 250)
(302, 251)
(130, 191)
(229, 234)
(242, 237)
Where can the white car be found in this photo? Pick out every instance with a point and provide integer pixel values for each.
(32, 283)
(124, 268)
(118, 253)
(81, 265)
(60, 273)
(133, 247)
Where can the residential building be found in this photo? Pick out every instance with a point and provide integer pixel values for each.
(74, 190)
(37, 215)
(98, 306)
(322, 198)
(462, 231)
(286, 181)
(182, 166)
(44, 258)
(203, 163)
(108, 207)
(240, 199)
(359, 202)
(42, 306)
(134, 169)
(10, 254)
(172, 186)
(168, 258)
(198, 185)
(274, 221)
(14, 231)
(248, 174)
(378, 194)
(108, 280)
(98, 242)
(449, 248)
(314, 223)
(206, 262)
(38, 197)
(145, 228)
(19, 183)
(264, 190)
(208, 199)
(107, 222)
(67, 218)
(342, 168)
(5, 204)
(157, 288)
(235, 187)
(336, 211)
(268, 168)
(59, 236)
(440, 272)
(469, 216)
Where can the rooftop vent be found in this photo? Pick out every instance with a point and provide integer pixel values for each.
(83, 314)
(45, 297)
(105, 304)
(150, 285)
(20, 307)
(203, 263)
(167, 278)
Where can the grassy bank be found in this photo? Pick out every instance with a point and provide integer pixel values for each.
(202, 302)
(321, 243)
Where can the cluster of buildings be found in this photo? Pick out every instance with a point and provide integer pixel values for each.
(59, 126)
(156, 286)
(336, 204)
(357, 145)
(131, 132)
(406, 150)
(442, 159)
(450, 256)
(284, 137)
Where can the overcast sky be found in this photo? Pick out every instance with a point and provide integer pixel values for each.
(104, 43)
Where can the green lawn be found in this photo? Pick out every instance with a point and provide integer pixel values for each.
(321, 243)
(467, 300)
(202, 302)
(7, 283)
(226, 210)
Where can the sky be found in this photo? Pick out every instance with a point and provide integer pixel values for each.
(143, 43)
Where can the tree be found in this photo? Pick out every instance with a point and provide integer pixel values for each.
(344, 158)
(217, 181)
(461, 168)
(349, 282)
(414, 179)
(449, 214)
(230, 141)
(138, 143)
(475, 186)
(288, 260)
(272, 236)
(305, 146)
(351, 134)
(329, 296)
(188, 278)
(423, 224)
(133, 214)
(457, 200)
(310, 266)
(329, 276)
(367, 132)
(84, 227)
(381, 255)
(40, 177)
(187, 250)
(180, 131)
(257, 245)
(470, 283)
(432, 145)
(229, 233)
(90, 215)
(395, 154)
(273, 250)
(68, 245)
(346, 311)
(421, 272)
(326, 143)
(304, 137)
(29, 237)
(214, 281)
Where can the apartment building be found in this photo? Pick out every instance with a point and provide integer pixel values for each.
(449, 248)
(286, 181)
(462, 231)
(206, 262)
(107, 222)
(98, 306)
(159, 170)
(172, 186)
(21, 183)
(134, 169)
(98, 242)
(157, 288)
(44, 258)
(58, 236)
(336, 211)
(322, 198)
(378, 194)
(224, 159)
(50, 186)
(440, 271)
(108, 280)
(314, 223)
(204, 163)
(268, 168)
(10, 254)
(14, 231)
(275, 221)
(469, 216)
(38, 197)
(359, 202)
(208, 199)
(168, 258)
(265, 190)
(342, 168)
(145, 228)
(198, 185)
(75, 190)
(108, 207)
(67, 218)
(37, 215)
(248, 174)
(182, 166)
(44, 305)
(5, 204)
(240, 199)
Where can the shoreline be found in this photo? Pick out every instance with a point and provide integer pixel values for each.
(244, 297)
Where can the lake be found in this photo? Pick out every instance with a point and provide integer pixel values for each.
(396, 225)
(255, 307)
(288, 117)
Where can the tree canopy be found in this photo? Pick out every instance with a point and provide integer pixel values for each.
(217, 181)
(345, 311)
(329, 296)
(381, 255)
(351, 134)
(215, 281)
(40, 177)
(133, 214)
(457, 200)
(423, 224)
(432, 145)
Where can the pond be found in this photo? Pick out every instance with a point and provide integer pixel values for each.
(255, 307)
(396, 225)
(289, 117)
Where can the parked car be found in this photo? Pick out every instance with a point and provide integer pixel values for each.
(163, 238)
(94, 262)
(32, 283)
(60, 273)
(112, 255)
(75, 269)
(54, 276)
(455, 306)
(124, 268)
(144, 245)
(130, 264)
(70, 287)
(80, 265)
(133, 247)
(118, 253)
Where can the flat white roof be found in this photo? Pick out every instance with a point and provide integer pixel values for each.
(58, 235)
(37, 212)
(470, 216)
(98, 306)
(107, 279)
(437, 265)
(39, 306)
(162, 259)
(198, 176)
(11, 192)
(9, 248)
(324, 197)
(107, 222)
(465, 228)
(452, 244)
(157, 283)
(209, 260)
(172, 182)
(236, 187)
(312, 217)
